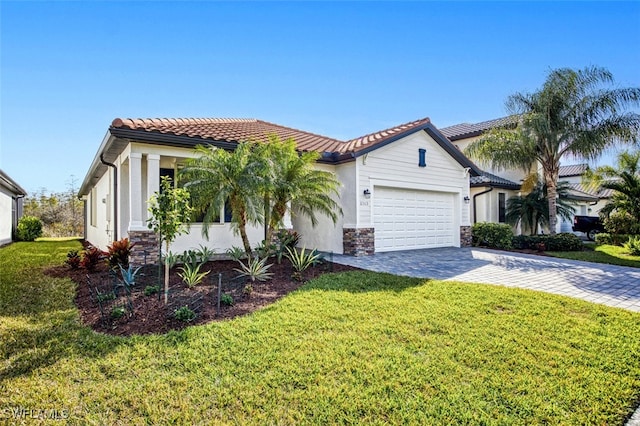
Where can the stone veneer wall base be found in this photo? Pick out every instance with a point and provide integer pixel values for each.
(146, 248)
(465, 236)
(358, 241)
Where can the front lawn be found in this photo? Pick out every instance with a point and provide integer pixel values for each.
(613, 255)
(356, 347)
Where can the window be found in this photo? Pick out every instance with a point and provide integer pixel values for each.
(502, 207)
(93, 207)
(422, 154)
(167, 172)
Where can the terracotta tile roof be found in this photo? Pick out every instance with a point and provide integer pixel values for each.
(371, 139)
(488, 179)
(228, 130)
(468, 130)
(573, 170)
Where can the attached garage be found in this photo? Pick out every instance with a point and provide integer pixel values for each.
(406, 219)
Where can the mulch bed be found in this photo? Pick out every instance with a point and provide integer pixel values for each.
(149, 313)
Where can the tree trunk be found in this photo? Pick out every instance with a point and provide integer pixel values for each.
(166, 277)
(552, 195)
(242, 227)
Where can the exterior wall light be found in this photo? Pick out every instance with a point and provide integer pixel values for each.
(466, 199)
(367, 193)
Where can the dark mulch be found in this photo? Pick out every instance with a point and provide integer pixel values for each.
(149, 313)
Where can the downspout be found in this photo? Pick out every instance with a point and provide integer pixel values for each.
(115, 196)
(474, 203)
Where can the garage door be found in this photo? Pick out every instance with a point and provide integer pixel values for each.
(408, 219)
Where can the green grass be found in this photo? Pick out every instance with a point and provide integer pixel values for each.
(613, 255)
(355, 347)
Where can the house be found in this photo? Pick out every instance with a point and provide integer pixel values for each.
(491, 189)
(11, 201)
(405, 187)
(589, 198)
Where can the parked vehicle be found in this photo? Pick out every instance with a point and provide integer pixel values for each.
(590, 225)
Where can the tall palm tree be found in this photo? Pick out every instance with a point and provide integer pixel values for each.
(292, 183)
(217, 177)
(575, 113)
(624, 180)
(532, 208)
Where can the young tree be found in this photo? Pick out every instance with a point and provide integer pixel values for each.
(290, 181)
(171, 213)
(576, 113)
(532, 209)
(217, 177)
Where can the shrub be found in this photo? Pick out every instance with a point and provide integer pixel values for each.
(226, 299)
(255, 269)
(285, 239)
(73, 259)
(191, 274)
(621, 223)
(205, 253)
(29, 228)
(170, 259)
(91, 257)
(118, 312)
(151, 290)
(129, 275)
(558, 242)
(301, 261)
(118, 253)
(612, 239)
(632, 246)
(236, 253)
(493, 235)
(184, 314)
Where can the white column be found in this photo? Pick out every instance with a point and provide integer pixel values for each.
(135, 192)
(153, 177)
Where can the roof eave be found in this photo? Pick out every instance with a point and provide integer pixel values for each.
(11, 185)
(432, 131)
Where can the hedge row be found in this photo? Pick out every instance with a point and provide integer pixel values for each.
(500, 236)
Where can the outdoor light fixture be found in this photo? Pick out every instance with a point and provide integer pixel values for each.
(367, 193)
(466, 199)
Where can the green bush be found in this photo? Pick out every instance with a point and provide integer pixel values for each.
(632, 246)
(184, 314)
(612, 239)
(558, 242)
(493, 235)
(29, 228)
(151, 290)
(226, 299)
(621, 223)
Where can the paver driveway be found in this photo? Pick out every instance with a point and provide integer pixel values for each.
(610, 285)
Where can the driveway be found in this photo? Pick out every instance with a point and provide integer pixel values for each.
(610, 285)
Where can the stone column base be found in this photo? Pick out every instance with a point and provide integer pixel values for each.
(358, 241)
(465, 236)
(146, 248)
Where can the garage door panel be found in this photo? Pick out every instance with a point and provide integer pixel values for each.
(407, 219)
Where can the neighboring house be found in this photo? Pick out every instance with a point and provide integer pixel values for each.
(406, 187)
(492, 188)
(589, 198)
(11, 201)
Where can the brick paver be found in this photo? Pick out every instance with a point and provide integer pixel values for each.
(610, 285)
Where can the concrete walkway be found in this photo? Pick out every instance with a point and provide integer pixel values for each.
(610, 285)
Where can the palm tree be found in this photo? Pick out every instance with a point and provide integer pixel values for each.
(575, 113)
(292, 183)
(624, 180)
(532, 209)
(217, 177)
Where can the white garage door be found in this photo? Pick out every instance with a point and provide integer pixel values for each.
(408, 219)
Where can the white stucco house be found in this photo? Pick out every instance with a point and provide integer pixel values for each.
(492, 188)
(406, 187)
(11, 201)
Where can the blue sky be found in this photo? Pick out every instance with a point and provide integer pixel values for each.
(339, 69)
